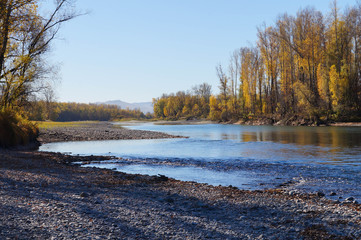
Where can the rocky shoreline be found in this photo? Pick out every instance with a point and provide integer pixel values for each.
(96, 131)
(294, 121)
(45, 196)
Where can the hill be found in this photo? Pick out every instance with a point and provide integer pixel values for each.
(145, 107)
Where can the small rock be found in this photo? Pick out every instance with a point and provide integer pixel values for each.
(350, 199)
(333, 194)
(84, 195)
(292, 193)
(162, 177)
(169, 200)
(320, 194)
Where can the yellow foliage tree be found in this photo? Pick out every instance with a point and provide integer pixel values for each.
(322, 82)
(334, 86)
(214, 112)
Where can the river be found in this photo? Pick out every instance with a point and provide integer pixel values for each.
(306, 159)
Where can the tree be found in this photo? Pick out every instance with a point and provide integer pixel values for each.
(234, 71)
(323, 83)
(334, 86)
(50, 105)
(214, 112)
(203, 93)
(246, 75)
(284, 34)
(269, 47)
(158, 106)
(25, 38)
(203, 90)
(223, 87)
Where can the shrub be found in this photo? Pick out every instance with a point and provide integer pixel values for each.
(15, 130)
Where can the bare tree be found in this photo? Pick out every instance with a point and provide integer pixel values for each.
(223, 87)
(203, 90)
(223, 81)
(234, 72)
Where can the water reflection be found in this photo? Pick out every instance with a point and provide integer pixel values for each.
(333, 145)
(318, 144)
(322, 136)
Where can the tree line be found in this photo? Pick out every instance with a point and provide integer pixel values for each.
(306, 65)
(190, 104)
(62, 112)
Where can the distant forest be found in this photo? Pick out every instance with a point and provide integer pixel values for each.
(43, 110)
(306, 66)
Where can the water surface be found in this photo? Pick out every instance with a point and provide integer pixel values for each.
(249, 157)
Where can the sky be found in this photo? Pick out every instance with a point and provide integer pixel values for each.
(136, 50)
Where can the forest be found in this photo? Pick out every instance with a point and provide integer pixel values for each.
(303, 66)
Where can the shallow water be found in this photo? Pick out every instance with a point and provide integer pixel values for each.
(249, 157)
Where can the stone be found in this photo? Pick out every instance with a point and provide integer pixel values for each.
(84, 195)
(320, 194)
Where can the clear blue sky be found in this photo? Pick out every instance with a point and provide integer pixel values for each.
(134, 50)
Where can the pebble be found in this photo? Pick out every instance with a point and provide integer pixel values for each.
(320, 194)
(83, 195)
(349, 199)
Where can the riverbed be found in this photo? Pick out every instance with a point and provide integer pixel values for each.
(299, 159)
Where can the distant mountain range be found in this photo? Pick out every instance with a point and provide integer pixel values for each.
(145, 107)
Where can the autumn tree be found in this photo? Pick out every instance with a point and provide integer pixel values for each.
(284, 34)
(269, 47)
(323, 85)
(215, 110)
(25, 38)
(203, 93)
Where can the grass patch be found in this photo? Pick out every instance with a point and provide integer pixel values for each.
(49, 124)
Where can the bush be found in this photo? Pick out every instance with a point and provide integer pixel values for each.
(15, 130)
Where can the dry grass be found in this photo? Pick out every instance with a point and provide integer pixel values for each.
(49, 124)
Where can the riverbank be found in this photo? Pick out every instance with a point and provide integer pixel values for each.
(43, 195)
(294, 121)
(92, 131)
(259, 122)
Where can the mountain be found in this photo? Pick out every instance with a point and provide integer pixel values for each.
(145, 107)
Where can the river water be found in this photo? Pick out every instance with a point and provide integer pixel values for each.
(306, 159)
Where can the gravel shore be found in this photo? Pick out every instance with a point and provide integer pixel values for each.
(96, 131)
(45, 196)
